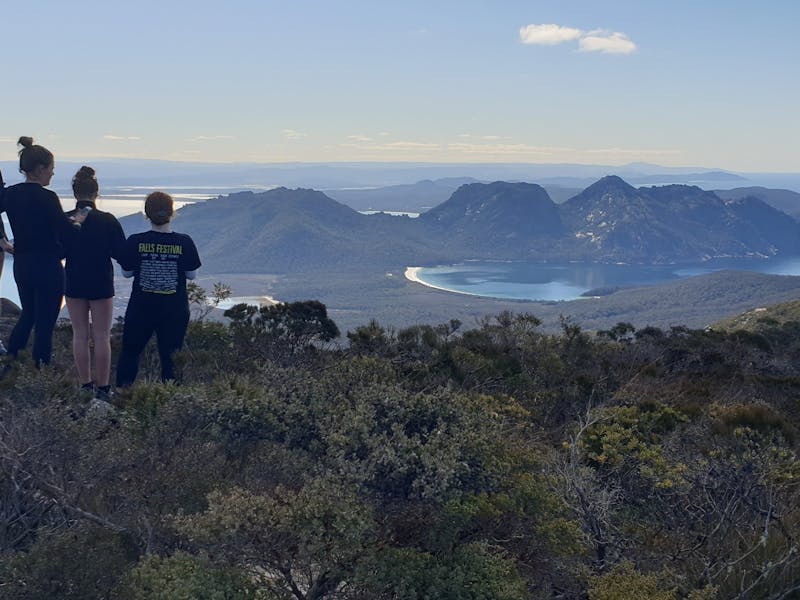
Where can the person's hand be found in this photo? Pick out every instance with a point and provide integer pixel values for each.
(7, 246)
(79, 216)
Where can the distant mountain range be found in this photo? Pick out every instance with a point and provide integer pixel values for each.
(354, 175)
(673, 223)
(304, 230)
(784, 200)
(413, 197)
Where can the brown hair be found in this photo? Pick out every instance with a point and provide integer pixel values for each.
(32, 155)
(158, 208)
(84, 184)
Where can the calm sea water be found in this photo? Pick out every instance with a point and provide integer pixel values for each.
(569, 281)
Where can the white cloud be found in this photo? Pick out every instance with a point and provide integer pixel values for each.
(359, 138)
(292, 134)
(125, 138)
(488, 138)
(632, 152)
(504, 149)
(4, 140)
(411, 146)
(598, 40)
(209, 138)
(548, 34)
(402, 146)
(607, 43)
(522, 151)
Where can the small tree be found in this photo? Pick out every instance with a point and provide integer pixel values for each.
(199, 299)
(282, 330)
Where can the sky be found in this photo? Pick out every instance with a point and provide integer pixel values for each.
(709, 83)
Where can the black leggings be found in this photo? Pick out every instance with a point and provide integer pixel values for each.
(40, 282)
(168, 320)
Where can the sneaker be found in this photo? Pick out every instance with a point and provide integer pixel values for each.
(87, 391)
(5, 369)
(103, 392)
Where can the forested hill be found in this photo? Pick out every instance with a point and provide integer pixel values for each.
(286, 230)
(497, 462)
(304, 230)
(498, 219)
(674, 223)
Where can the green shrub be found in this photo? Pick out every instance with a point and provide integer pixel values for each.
(80, 563)
(185, 577)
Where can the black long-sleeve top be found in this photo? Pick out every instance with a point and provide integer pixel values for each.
(37, 219)
(90, 274)
(2, 189)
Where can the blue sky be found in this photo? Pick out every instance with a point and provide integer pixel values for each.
(708, 83)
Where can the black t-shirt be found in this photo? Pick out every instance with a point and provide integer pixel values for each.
(90, 274)
(159, 262)
(37, 219)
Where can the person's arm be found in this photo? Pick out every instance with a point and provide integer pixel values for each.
(66, 229)
(117, 242)
(190, 260)
(3, 239)
(128, 257)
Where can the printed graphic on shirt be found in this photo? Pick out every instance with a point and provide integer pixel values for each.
(158, 272)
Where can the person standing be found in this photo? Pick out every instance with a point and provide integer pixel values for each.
(90, 283)
(5, 246)
(40, 228)
(160, 261)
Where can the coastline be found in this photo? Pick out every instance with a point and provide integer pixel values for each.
(258, 301)
(412, 274)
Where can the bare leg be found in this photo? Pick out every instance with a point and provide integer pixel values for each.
(2, 261)
(79, 316)
(102, 311)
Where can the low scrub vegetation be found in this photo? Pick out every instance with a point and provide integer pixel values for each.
(496, 462)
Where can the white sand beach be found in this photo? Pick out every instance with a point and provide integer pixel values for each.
(412, 274)
(251, 300)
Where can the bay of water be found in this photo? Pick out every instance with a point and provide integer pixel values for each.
(570, 281)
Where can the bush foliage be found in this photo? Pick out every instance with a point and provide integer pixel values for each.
(495, 462)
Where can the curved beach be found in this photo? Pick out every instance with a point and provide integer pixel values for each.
(412, 274)
(251, 300)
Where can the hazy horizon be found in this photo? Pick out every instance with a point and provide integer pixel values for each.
(223, 178)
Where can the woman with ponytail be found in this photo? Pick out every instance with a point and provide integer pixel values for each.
(40, 228)
(90, 283)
